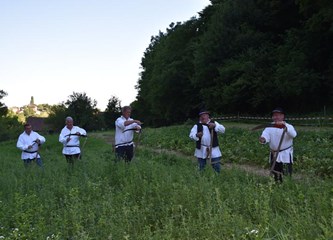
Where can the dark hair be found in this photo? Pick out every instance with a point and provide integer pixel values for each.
(26, 125)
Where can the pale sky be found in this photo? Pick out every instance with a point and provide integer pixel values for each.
(52, 48)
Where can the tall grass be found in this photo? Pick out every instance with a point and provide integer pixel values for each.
(157, 196)
(313, 147)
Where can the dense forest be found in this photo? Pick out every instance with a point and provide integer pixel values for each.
(244, 56)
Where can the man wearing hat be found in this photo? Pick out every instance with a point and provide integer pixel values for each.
(207, 145)
(279, 135)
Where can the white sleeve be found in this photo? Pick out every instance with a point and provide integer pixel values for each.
(82, 131)
(193, 133)
(20, 144)
(265, 134)
(291, 131)
(131, 126)
(120, 123)
(62, 137)
(41, 138)
(219, 128)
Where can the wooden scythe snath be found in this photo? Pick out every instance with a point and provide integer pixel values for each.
(138, 141)
(84, 143)
(130, 129)
(276, 153)
(210, 146)
(74, 134)
(261, 126)
(37, 152)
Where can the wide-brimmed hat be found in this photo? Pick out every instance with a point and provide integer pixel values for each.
(278, 110)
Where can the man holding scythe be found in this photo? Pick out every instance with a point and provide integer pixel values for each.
(70, 138)
(125, 128)
(29, 142)
(207, 146)
(279, 135)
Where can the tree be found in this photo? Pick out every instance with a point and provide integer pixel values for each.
(112, 112)
(3, 107)
(240, 56)
(9, 125)
(84, 112)
(165, 92)
(28, 111)
(57, 116)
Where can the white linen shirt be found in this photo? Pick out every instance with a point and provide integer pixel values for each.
(72, 146)
(25, 140)
(273, 136)
(205, 141)
(124, 138)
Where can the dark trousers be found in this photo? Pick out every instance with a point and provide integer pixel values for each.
(28, 162)
(71, 159)
(281, 169)
(125, 152)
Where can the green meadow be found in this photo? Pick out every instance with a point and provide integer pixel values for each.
(161, 195)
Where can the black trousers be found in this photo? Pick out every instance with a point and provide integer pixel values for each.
(281, 169)
(71, 158)
(125, 152)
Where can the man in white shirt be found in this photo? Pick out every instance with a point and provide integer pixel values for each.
(125, 128)
(272, 135)
(201, 133)
(70, 138)
(29, 142)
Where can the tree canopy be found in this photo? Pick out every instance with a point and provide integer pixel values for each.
(240, 56)
(81, 108)
(112, 112)
(3, 107)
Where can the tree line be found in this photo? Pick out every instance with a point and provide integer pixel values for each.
(245, 56)
(81, 107)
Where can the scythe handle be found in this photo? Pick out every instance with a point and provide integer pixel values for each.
(211, 146)
(278, 150)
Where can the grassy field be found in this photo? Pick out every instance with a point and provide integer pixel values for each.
(313, 146)
(162, 196)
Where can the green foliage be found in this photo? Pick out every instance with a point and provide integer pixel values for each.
(163, 89)
(112, 112)
(9, 124)
(84, 112)
(240, 56)
(81, 108)
(10, 128)
(3, 107)
(157, 196)
(28, 111)
(313, 152)
(57, 116)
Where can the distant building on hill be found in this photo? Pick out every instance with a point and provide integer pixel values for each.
(30, 109)
(17, 110)
(33, 106)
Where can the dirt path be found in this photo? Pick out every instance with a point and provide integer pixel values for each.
(109, 138)
(245, 167)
